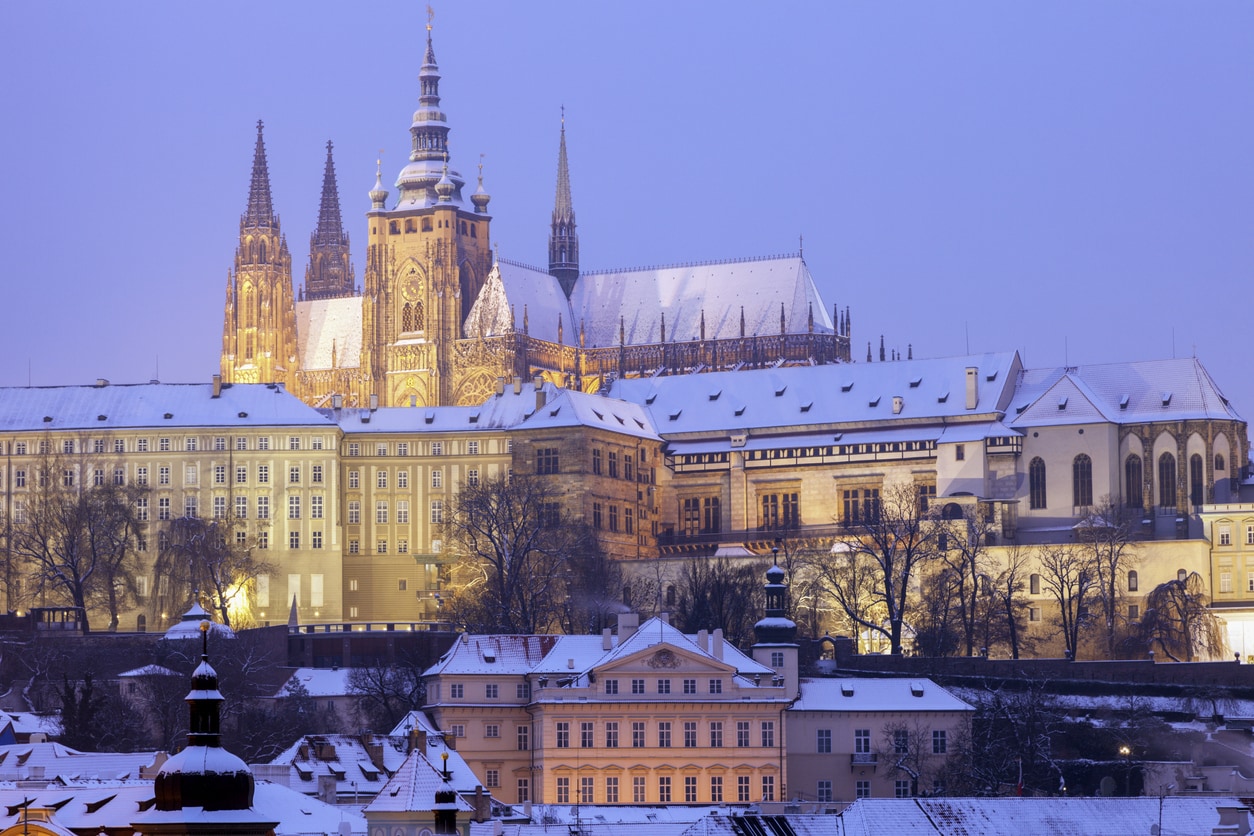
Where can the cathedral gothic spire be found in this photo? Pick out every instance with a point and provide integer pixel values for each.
(330, 272)
(259, 332)
(563, 240)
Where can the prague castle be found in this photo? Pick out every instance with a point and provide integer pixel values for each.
(439, 317)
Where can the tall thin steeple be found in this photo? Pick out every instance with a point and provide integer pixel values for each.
(330, 272)
(260, 211)
(563, 240)
(428, 142)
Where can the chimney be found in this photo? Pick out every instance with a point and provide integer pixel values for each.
(481, 804)
(628, 623)
(973, 387)
(517, 385)
(417, 740)
(500, 386)
(374, 402)
(703, 640)
(326, 789)
(374, 749)
(607, 640)
(898, 402)
(102, 382)
(541, 397)
(217, 385)
(337, 402)
(717, 640)
(664, 617)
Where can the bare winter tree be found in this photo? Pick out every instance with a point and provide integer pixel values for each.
(514, 546)
(966, 536)
(714, 592)
(1105, 534)
(76, 532)
(1178, 619)
(212, 557)
(875, 562)
(1008, 605)
(1067, 574)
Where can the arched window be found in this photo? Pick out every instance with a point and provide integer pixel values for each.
(1036, 483)
(262, 252)
(141, 623)
(1181, 575)
(1220, 464)
(1034, 583)
(1134, 582)
(1134, 482)
(1167, 480)
(418, 317)
(407, 317)
(1082, 481)
(1197, 486)
(951, 511)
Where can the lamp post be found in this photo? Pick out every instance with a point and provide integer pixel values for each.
(1126, 752)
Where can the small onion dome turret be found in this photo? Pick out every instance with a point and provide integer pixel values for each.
(481, 197)
(188, 627)
(378, 195)
(776, 627)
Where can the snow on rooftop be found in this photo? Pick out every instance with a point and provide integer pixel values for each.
(866, 694)
(327, 328)
(319, 682)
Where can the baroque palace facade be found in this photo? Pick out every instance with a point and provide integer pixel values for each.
(440, 317)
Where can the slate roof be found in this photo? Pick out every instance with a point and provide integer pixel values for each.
(635, 301)
(299, 766)
(1032, 816)
(326, 324)
(875, 695)
(496, 413)
(21, 761)
(846, 395)
(1144, 385)
(120, 406)
(412, 788)
(570, 408)
(319, 682)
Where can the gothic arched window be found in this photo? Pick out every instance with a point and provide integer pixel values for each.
(1082, 481)
(1220, 464)
(1133, 482)
(1197, 489)
(1167, 480)
(419, 325)
(262, 252)
(407, 317)
(1036, 483)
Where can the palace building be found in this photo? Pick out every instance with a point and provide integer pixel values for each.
(440, 317)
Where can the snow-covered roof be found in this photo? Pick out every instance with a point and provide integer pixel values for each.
(344, 757)
(319, 682)
(875, 695)
(88, 806)
(23, 761)
(148, 670)
(524, 298)
(413, 788)
(1125, 393)
(28, 722)
(188, 626)
(737, 824)
(569, 408)
(1033, 816)
(327, 329)
(151, 405)
(839, 396)
(641, 297)
(503, 411)
(560, 655)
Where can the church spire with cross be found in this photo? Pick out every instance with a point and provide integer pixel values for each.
(563, 240)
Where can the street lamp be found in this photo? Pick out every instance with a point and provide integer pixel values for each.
(1126, 752)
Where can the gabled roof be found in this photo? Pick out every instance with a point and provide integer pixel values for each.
(17, 761)
(526, 298)
(120, 406)
(569, 408)
(1125, 393)
(865, 694)
(498, 412)
(844, 395)
(319, 682)
(412, 789)
(326, 329)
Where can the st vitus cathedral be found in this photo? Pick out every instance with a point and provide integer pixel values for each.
(441, 319)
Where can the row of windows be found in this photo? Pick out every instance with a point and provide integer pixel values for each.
(663, 686)
(403, 448)
(383, 477)
(164, 444)
(607, 517)
(381, 509)
(862, 742)
(1223, 534)
(587, 794)
(666, 734)
(612, 470)
(1134, 483)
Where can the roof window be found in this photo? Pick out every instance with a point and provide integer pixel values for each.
(1123, 402)
(1062, 403)
(1166, 398)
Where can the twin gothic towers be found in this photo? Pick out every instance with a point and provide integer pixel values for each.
(439, 320)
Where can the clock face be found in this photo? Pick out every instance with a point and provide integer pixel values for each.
(412, 288)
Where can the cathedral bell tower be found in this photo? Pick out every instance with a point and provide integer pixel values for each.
(259, 332)
(330, 272)
(427, 258)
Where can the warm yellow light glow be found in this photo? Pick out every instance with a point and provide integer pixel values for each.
(237, 606)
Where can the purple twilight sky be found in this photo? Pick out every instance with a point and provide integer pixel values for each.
(1074, 180)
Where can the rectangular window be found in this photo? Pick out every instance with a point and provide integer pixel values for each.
(716, 734)
(777, 658)
(293, 539)
(491, 730)
(611, 735)
(563, 790)
(97, 477)
(861, 506)
(141, 477)
(523, 736)
(354, 479)
(380, 449)
(547, 460)
(263, 507)
(381, 512)
(585, 736)
(492, 778)
(823, 744)
(563, 735)
(141, 509)
(637, 735)
(354, 449)
(690, 789)
(402, 478)
(381, 479)
(690, 686)
(611, 686)
(457, 690)
(402, 511)
(472, 448)
(163, 445)
(402, 584)
(901, 742)
(664, 789)
(293, 507)
(960, 452)
(768, 734)
(637, 686)
(402, 448)
(768, 787)
(354, 546)
(315, 507)
(293, 442)
(241, 474)
(637, 789)
(492, 691)
(742, 789)
(163, 508)
(263, 539)
(163, 475)
(522, 690)
(437, 512)
(1249, 535)
(317, 539)
(742, 733)
(1225, 581)
(317, 473)
(381, 547)
(627, 469)
(663, 686)
(664, 734)
(613, 518)
(119, 445)
(690, 734)
(19, 477)
(1034, 613)
(219, 474)
(1225, 535)
(862, 741)
(611, 790)
(862, 789)
(263, 474)
(354, 512)
(219, 507)
(901, 788)
(585, 790)
(437, 448)
(241, 443)
(190, 507)
(823, 792)
(716, 789)
(293, 474)
(219, 443)
(596, 515)
(437, 478)
(596, 462)
(524, 790)
(629, 520)
(472, 477)
(940, 742)
(263, 442)
(716, 686)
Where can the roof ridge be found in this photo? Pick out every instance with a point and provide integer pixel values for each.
(712, 263)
